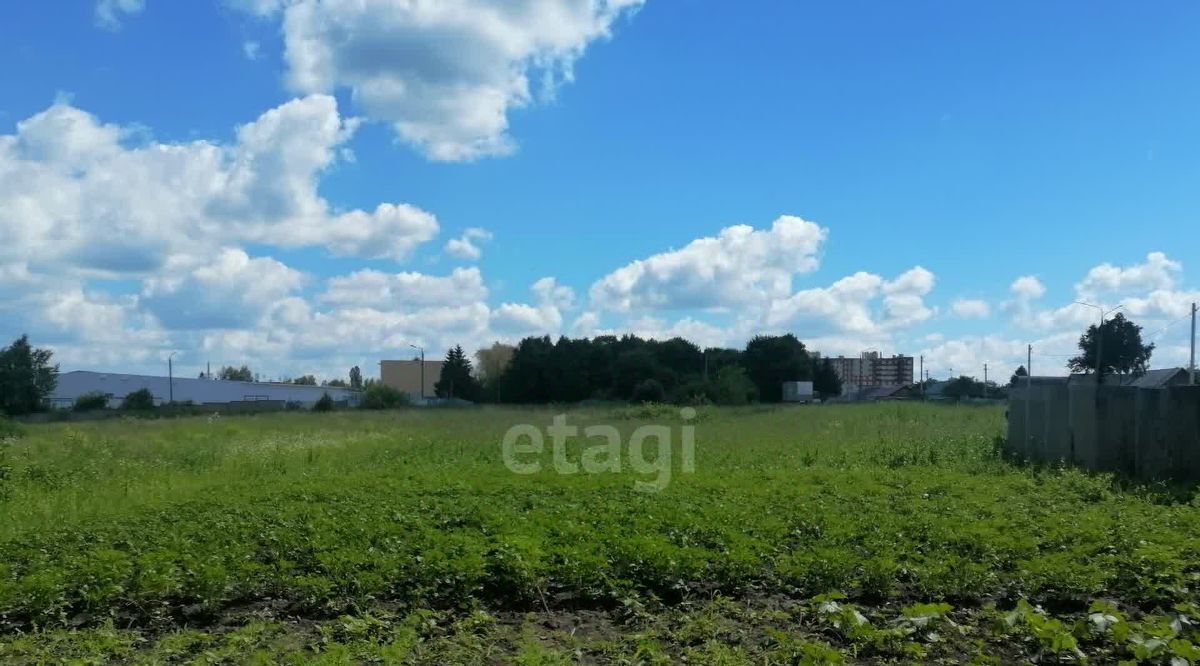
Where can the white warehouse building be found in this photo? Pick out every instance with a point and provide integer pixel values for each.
(72, 385)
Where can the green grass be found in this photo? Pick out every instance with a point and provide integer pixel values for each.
(888, 532)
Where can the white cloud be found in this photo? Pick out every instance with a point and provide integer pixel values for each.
(544, 317)
(741, 267)
(548, 291)
(971, 308)
(108, 12)
(467, 246)
(1156, 273)
(402, 290)
(231, 290)
(1028, 287)
(849, 304)
(250, 49)
(968, 355)
(445, 74)
(903, 302)
(586, 325)
(75, 199)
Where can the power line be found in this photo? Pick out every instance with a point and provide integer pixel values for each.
(1168, 325)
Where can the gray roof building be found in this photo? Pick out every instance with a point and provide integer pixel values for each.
(72, 385)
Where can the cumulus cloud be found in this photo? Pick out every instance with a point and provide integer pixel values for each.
(109, 12)
(444, 74)
(77, 195)
(971, 308)
(1156, 273)
(740, 267)
(543, 317)
(862, 303)
(229, 291)
(1028, 287)
(467, 246)
(400, 290)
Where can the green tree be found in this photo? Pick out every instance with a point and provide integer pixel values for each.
(377, 395)
(336, 383)
(231, 373)
(650, 390)
(323, 404)
(733, 387)
(771, 360)
(305, 380)
(89, 402)
(457, 379)
(1119, 345)
(963, 387)
(356, 378)
(826, 381)
(139, 400)
(26, 377)
(1021, 372)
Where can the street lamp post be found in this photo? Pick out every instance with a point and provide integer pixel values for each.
(1100, 336)
(422, 350)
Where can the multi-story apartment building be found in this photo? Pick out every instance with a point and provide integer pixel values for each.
(872, 369)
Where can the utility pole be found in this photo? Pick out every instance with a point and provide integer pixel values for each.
(422, 350)
(985, 381)
(170, 378)
(1192, 359)
(921, 375)
(1100, 337)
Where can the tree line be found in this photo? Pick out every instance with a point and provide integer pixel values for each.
(629, 368)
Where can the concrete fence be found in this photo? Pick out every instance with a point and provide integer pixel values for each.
(1140, 432)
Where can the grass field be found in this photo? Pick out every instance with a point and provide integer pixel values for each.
(867, 533)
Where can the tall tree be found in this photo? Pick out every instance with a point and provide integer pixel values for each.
(963, 387)
(771, 360)
(26, 377)
(492, 361)
(1021, 372)
(356, 380)
(826, 381)
(457, 379)
(1119, 345)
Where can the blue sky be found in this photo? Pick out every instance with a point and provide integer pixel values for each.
(920, 158)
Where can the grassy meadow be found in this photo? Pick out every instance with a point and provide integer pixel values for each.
(884, 533)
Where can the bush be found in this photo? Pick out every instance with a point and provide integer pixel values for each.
(693, 392)
(9, 429)
(650, 390)
(140, 400)
(380, 396)
(733, 387)
(325, 404)
(90, 402)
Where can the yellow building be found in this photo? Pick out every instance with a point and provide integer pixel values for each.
(405, 376)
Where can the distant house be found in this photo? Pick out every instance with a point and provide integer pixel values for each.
(72, 385)
(1157, 378)
(1160, 378)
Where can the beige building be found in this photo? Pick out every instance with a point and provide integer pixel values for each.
(405, 376)
(872, 369)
